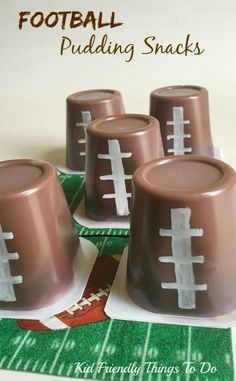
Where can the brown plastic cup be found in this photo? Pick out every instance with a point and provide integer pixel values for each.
(82, 108)
(116, 147)
(182, 247)
(183, 114)
(37, 238)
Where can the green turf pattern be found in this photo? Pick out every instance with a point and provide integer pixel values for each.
(148, 351)
(117, 343)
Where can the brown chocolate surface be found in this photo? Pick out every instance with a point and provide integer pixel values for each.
(182, 237)
(178, 91)
(36, 234)
(116, 147)
(92, 95)
(183, 113)
(82, 108)
(184, 175)
(125, 124)
(15, 177)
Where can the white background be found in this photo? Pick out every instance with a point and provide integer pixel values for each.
(35, 79)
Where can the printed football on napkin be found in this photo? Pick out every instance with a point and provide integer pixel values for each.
(90, 308)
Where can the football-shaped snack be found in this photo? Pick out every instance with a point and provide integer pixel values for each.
(183, 114)
(115, 147)
(38, 243)
(82, 108)
(90, 309)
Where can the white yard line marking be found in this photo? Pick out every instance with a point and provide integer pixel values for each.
(117, 176)
(132, 377)
(178, 135)
(233, 339)
(76, 194)
(35, 365)
(59, 352)
(2, 361)
(85, 375)
(189, 350)
(18, 349)
(86, 119)
(44, 366)
(181, 245)
(64, 179)
(227, 359)
(26, 366)
(81, 231)
(103, 347)
(103, 376)
(60, 369)
(69, 370)
(145, 352)
(18, 364)
(104, 244)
